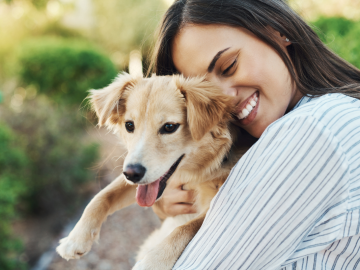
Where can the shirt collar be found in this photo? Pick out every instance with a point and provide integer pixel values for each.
(302, 101)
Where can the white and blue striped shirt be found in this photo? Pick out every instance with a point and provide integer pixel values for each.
(293, 200)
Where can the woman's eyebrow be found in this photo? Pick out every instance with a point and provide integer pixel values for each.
(216, 57)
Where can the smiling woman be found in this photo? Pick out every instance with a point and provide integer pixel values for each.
(245, 67)
(291, 202)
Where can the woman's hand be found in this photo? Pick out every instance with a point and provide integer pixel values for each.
(175, 201)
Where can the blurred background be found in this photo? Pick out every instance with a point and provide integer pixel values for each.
(53, 159)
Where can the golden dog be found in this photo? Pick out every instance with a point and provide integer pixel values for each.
(170, 126)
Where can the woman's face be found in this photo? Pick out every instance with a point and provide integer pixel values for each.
(243, 66)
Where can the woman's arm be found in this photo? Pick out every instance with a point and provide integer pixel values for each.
(272, 200)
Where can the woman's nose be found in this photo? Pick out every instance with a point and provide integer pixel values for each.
(225, 85)
(228, 89)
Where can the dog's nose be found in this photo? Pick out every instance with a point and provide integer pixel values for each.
(134, 172)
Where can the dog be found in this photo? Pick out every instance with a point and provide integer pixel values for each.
(173, 128)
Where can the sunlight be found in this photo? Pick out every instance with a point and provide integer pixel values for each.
(135, 64)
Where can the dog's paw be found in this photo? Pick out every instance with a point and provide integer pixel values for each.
(74, 247)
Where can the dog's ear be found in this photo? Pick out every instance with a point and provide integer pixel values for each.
(109, 102)
(205, 103)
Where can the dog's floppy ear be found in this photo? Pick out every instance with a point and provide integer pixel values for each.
(206, 104)
(111, 99)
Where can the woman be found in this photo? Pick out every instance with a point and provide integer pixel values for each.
(293, 200)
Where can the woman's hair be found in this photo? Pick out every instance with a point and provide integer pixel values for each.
(314, 68)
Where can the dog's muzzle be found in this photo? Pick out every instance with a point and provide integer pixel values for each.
(146, 195)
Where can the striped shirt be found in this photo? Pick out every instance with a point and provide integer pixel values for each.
(293, 200)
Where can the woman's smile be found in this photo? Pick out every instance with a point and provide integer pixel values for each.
(246, 111)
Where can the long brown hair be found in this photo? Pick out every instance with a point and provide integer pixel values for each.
(314, 68)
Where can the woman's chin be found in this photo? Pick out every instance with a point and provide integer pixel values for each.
(253, 130)
(256, 132)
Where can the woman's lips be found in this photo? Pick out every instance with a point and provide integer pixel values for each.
(243, 116)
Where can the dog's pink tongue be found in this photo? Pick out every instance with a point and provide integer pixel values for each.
(146, 194)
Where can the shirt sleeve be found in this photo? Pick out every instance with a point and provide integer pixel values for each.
(272, 199)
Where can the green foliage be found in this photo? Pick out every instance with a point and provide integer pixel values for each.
(334, 25)
(64, 69)
(56, 29)
(53, 139)
(342, 36)
(13, 167)
(40, 3)
(37, 3)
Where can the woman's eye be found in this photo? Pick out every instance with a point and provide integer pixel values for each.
(169, 128)
(130, 126)
(230, 69)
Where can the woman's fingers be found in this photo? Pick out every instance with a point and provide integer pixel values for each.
(185, 196)
(175, 201)
(178, 202)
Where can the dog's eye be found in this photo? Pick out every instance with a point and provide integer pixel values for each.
(169, 128)
(130, 126)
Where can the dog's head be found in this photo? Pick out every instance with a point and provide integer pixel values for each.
(162, 121)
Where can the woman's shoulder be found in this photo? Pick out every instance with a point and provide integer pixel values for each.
(330, 109)
(326, 104)
(337, 112)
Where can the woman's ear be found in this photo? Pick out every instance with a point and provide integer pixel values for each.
(205, 103)
(109, 102)
(280, 38)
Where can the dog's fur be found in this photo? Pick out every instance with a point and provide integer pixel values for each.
(203, 137)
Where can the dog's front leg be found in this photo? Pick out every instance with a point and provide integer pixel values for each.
(115, 196)
(165, 255)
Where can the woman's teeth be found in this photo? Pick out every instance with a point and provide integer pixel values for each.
(248, 108)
